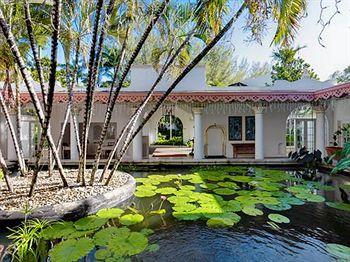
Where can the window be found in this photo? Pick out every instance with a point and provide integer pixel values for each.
(235, 128)
(250, 128)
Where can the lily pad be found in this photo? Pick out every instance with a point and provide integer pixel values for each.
(224, 191)
(277, 218)
(251, 211)
(339, 205)
(166, 190)
(188, 187)
(144, 193)
(71, 250)
(216, 222)
(102, 237)
(292, 201)
(131, 219)
(110, 213)
(231, 185)
(339, 251)
(242, 179)
(90, 223)
(232, 205)
(209, 186)
(58, 230)
(134, 244)
(279, 207)
(186, 216)
(103, 254)
(311, 197)
(146, 231)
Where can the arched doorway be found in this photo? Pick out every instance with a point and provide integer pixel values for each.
(170, 131)
(215, 145)
(301, 130)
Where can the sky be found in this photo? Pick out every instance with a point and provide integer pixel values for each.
(324, 60)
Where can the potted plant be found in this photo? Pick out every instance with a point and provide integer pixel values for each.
(336, 149)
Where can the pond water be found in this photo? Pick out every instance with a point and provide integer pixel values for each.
(311, 227)
(223, 214)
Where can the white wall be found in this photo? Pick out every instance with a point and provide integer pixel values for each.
(341, 113)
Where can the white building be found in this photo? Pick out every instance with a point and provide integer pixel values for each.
(246, 120)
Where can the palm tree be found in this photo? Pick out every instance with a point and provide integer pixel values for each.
(29, 84)
(4, 169)
(110, 107)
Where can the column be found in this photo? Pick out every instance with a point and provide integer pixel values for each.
(74, 154)
(259, 132)
(11, 151)
(198, 134)
(320, 129)
(137, 142)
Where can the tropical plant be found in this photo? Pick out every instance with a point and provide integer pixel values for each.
(128, 26)
(288, 67)
(27, 243)
(344, 159)
(342, 76)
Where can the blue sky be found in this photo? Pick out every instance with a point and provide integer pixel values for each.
(325, 60)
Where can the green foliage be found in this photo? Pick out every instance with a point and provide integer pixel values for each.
(174, 141)
(110, 213)
(344, 162)
(252, 211)
(341, 252)
(90, 223)
(1, 175)
(339, 205)
(277, 218)
(71, 250)
(131, 219)
(58, 230)
(27, 244)
(342, 76)
(288, 67)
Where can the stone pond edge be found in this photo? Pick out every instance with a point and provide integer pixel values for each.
(118, 197)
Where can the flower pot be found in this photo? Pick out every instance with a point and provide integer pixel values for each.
(331, 150)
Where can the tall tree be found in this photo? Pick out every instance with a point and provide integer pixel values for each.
(288, 67)
(342, 76)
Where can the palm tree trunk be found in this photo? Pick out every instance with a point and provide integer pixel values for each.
(5, 170)
(137, 113)
(194, 62)
(89, 92)
(12, 133)
(28, 82)
(56, 18)
(18, 121)
(110, 108)
(71, 85)
(35, 51)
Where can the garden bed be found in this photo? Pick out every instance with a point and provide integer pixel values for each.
(52, 201)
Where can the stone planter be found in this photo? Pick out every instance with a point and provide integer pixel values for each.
(118, 197)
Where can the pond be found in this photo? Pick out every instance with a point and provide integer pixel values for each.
(221, 214)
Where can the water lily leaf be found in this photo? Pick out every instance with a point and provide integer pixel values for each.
(184, 207)
(186, 216)
(300, 189)
(103, 254)
(90, 223)
(134, 244)
(110, 213)
(188, 187)
(231, 185)
(279, 207)
(146, 231)
(102, 237)
(224, 191)
(277, 218)
(292, 201)
(158, 212)
(71, 250)
(251, 211)
(153, 248)
(79, 233)
(166, 190)
(144, 193)
(242, 179)
(209, 186)
(311, 197)
(146, 187)
(339, 205)
(58, 230)
(131, 219)
(339, 251)
(233, 206)
(216, 222)
(178, 199)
